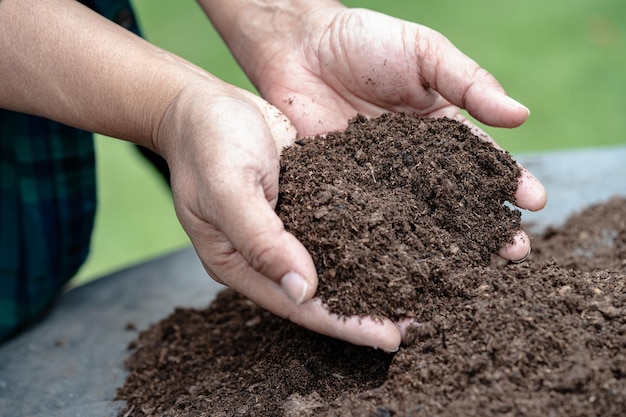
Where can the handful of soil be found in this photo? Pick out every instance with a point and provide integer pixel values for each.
(393, 204)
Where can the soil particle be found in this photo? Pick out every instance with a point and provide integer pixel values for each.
(401, 215)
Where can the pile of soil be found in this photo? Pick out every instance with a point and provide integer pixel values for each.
(401, 215)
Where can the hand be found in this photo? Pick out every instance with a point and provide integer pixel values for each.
(223, 156)
(348, 61)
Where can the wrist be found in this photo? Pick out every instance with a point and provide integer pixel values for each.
(257, 31)
(192, 109)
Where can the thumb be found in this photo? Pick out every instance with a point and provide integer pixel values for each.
(259, 236)
(249, 220)
(462, 82)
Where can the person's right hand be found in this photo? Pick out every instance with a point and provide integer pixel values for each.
(223, 153)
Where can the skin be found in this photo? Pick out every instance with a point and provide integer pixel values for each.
(317, 63)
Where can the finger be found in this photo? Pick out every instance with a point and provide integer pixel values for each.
(518, 250)
(530, 194)
(255, 231)
(249, 222)
(462, 82)
(365, 331)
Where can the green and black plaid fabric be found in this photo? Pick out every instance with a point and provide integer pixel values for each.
(47, 203)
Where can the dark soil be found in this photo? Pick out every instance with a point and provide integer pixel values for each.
(390, 206)
(401, 216)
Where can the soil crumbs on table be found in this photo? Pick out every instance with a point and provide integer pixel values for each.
(401, 215)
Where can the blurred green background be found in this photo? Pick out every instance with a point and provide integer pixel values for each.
(564, 59)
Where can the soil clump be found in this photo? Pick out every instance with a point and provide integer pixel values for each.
(402, 216)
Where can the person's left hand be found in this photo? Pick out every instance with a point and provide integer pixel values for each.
(340, 62)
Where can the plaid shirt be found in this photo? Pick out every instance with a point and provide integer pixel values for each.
(47, 203)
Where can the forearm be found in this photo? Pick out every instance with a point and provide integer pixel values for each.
(60, 60)
(254, 29)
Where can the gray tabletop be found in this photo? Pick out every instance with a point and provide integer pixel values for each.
(71, 363)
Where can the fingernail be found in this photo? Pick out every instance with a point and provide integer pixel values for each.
(517, 104)
(294, 285)
(519, 261)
